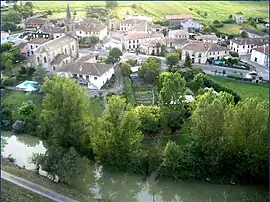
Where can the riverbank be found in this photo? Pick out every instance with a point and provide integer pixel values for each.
(32, 176)
(12, 192)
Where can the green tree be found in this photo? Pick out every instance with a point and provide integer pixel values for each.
(230, 17)
(115, 53)
(49, 12)
(116, 136)
(197, 82)
(244, 34)
(205, 14)
(125, 69)
(74, 12)
(29, 4)
(27, 108)
(65, 115)
(8, 65)
(39, 75)
(6, 47)
(150, 70)
(187, 62)
(163, 50)
(111, 4)
(172, 59)
(180, 54)
(149, 117)
(12, 16)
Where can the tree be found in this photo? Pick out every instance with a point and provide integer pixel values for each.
(6, 47)
(149, 117)
(111, 4)
(244, 34)
(8, 26)
(150, 70)
(12, 16)
(205, 14)
(65, 116)
(29, 4)
(207, 29)
(8, 65)
(197, 82)
(27, 108)
(49, 12)
(253, 23)
(39, 75)
(180, 54)
(74, 13)
(230, 17)
(187, 62)
(172, 59)
(164, 32)
(125, 69)
(116, 137)
(234, 54)
(115, 53)
(163, 50)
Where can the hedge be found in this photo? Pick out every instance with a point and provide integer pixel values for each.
(210, 83)
(129, 90)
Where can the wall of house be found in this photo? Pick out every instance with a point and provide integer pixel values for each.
(241, 49)
(217, 55)
(101, 34)
(57, 35)
(259, 58)
(32, 47)
(125, 26)
(4, 37)
(198, 57)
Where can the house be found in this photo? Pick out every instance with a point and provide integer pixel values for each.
(110, 43)
(93, 75)
(87, 29)
(139, 28)
(260, 55)
(46, 53)
(201, 52)
(175, 20)
(134, 40)
(49, 31)
(138, 17)
(152, 47)
(253, 33)
(178, 34)
(33, 44)
(35, 23)
(127, 24)
(191, 24)
(211, 38)
(114, 24)
(239, 17)
(175, 44)
(156, 28)
(245, 46)
(4, 37)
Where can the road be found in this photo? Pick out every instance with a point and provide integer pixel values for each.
(35, 188)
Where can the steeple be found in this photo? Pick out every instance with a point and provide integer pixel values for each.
(68, 17)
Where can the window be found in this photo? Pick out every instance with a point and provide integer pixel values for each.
(45, 59)
(80, 32)
(57, 36)
(53, 68)
(137, 41)
(31, 47)
(32, 52)
(133, 46)
(243, 46)
(74, 75)
(237, 50)
(213, 53)
(73, 47)
(237, 46)
(199, 61)
(129, 42)
(95, 78)
(81, 76)
(36, 46)
(65, 51)
(38, 59)
(225, 52)
(218, 53)
(210, 53)
(255, 59)
(200, 55)
(248, 46)
(133, 41)
(129, 47)
(193, 54)
(87, 77)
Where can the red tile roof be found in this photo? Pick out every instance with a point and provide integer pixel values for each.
(262, 49)
(178, 17)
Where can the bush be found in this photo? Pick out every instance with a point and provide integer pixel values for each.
(129, 90)
(9, 81)
(234, 54)
(134, 6)
(210, 83)
(18, 127)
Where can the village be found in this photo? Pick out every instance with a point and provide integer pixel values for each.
(119, 85)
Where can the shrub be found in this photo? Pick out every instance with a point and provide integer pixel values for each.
(18, 127)
(9, 81)
(234, 54)
(210, 83)
(134, 6)
(129, 90)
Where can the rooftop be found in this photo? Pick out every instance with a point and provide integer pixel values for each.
(59, 58)
(204, 47)
(208, 37)
(51, 28)
(36, 21)
(39, 40)
(262, 49)
(254, 32)
(86, 68)
(255, 41)
(90, 26)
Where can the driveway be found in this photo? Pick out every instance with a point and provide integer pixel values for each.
(35, 188)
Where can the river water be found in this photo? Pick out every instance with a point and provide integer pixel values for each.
(120, 187)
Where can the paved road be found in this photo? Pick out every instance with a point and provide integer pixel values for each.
(35, 188)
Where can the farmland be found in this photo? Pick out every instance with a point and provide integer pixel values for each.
(215, 10)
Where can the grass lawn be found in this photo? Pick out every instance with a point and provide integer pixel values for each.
(244, 89)
(216, 10)
(45, 182)
(96, 106)
(12, 192)
(16, 98)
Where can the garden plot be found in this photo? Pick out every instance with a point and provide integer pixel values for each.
(144, 96)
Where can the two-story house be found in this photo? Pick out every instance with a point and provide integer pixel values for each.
(178, 34)
(260, 55)
(35, 23)
(176, 20)
(245, 46)
(87, 29)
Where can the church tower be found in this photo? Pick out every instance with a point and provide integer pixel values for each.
(69, 25)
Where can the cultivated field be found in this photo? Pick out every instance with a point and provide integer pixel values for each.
(215, 10)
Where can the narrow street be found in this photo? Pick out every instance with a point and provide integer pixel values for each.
(35, 188)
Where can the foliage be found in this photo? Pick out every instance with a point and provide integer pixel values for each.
(116, 136)
(12, 16)
(172, 59)
(132, 62)
(234, 54)
(125, 69)
(27, 108)
(187, 62)
(6, 47)
(197, 82)
(29, 4)
(149, 117)
(210, 83)
(39, 75)
(150, 70)
(49, 12)
(65, 117)
(115, 53)
(111, 4)
(9, 81)
(18, 127)
(129, 90)
(6, 119)
(244, 34)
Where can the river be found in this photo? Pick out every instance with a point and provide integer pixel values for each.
(119, 187)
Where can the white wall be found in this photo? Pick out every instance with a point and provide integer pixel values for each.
(262, 59)
(32, 47)
(4, 37)
(241, 49)
(111, 45)
(57, 35)
(101, 34)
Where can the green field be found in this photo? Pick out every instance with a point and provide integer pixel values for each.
(216, 10)
(244, 89)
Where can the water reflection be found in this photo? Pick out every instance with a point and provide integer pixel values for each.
(21, 147)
